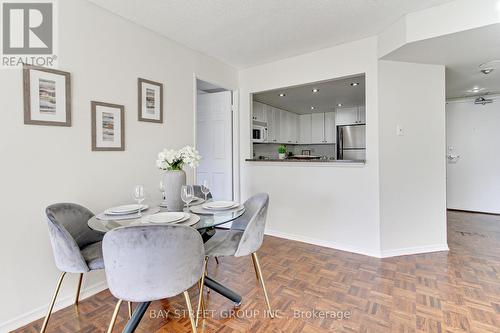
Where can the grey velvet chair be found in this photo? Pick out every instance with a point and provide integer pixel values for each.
(76, 248)
(244, 238)
(153, 262)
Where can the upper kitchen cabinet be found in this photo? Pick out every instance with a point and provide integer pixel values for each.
(273, 124)
(361, 115)
(330, 136)
(350, 116)
(323, 127)
(288, 127)
(305, 128)
(317, 128)
(259, 112)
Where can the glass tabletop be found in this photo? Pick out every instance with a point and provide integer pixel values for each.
(206, 221)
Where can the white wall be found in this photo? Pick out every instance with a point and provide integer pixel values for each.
(41, 165)
(448, 18)
(412, 166)
(332, 205)
(474, 179)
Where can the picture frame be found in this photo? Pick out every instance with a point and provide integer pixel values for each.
(108, 126)
(46, 96)
(150, 101)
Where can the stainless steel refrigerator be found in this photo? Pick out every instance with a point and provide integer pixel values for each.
(351, 142)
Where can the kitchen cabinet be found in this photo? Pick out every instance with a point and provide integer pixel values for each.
(288, 127)
(323, 127)
(330, 136)
(305, 128)
(317, 128)
(273, 123)
(350, 116)
(259, 112)
(361, 115)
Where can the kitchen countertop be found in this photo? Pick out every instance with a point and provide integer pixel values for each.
(306, 161)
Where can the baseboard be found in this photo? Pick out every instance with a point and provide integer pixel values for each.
(363, 251)
(414, 250)
(472, 211)
(324, 243)
(40, 312)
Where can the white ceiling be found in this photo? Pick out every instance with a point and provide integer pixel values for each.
(246, 33)
(462, 53)
(299, 99)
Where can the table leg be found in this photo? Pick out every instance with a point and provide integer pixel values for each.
(226, 292)
(136, 317)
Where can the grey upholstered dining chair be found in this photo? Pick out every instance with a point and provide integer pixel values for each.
(244, 238)
(151, 262)
(76, 247)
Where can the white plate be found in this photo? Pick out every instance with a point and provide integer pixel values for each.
(196, 201)
(166, 217)
(191, 221)
(125, 209)
(220, 205)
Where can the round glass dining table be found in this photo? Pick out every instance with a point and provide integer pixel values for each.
(207, 221)
(206, 226)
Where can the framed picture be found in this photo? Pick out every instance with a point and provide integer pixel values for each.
(108, 126)
(47, 96)
(150, 101)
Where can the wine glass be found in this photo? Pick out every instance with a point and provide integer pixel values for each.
(162, 190)
(187, 194)
(205, 189)
(139, 196)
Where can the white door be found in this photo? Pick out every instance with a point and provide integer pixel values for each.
(330, 127)
(318, 127)
(214, 142)
(473, 163)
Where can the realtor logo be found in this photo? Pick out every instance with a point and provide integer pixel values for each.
(28, 33)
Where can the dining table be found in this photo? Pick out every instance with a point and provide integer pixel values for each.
(206, 225)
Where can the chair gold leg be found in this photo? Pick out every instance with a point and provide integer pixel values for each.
(51, 306)
(190, 310)
(261, 278)
(78, 288)
(129, 309)
(115, 314)
(201, 305)
(255, 268)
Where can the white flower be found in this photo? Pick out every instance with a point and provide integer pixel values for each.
(186, 155)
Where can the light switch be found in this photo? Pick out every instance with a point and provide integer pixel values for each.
(399, 130)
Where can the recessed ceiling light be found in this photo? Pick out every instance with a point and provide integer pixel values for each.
(312, 108)
(354, 84)
(475, 90)
(339, 105)
(315, 90)
(282, 95)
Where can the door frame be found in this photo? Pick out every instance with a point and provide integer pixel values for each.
(235, 169)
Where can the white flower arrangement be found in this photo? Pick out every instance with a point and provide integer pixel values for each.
(170, 159)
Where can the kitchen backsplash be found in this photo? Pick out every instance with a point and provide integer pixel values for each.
(270, 150)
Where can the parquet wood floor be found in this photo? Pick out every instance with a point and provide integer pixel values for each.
(455, 291)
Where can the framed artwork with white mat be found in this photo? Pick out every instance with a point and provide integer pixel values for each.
(47, 96)
(150, 101)
(108, 126)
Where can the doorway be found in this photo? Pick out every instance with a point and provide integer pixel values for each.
(214, 138)
(473, 165)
